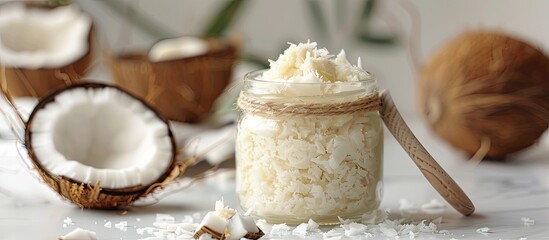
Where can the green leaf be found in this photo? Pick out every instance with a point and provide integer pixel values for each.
(59, 2)
(365, 34)
(258, 61)
(368, 9)
(224, 17)
(135, 17)
(377, 39)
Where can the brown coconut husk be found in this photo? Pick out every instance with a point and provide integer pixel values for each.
(182, 89)
(487, 93)
(92, 195)
(39, 82)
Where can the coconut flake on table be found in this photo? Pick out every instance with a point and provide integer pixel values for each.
(122, 225)
(42, 38)
(382, 226)
(528, 221)
(160, 217)
(484, 231)
(408, 207)
(374, 217)
(67, 222)
(305, 229)
(280, 230)
(434, 206)
(354, 229)
(79, 234)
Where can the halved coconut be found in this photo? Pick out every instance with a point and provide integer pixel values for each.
(43, 47)
(99, 146)
(181, 77)
(177, 48)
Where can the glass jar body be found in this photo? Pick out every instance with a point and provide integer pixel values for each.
(294, 167)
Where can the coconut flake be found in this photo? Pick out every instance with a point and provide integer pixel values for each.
(165, 218)
(389, 232)
(79, 234)
(280, 230)
(67, 222)
(334, 234)
(433, 207)
(123, 225)
(305, 63)
(484, 231)
(108, 224)
(375, 216)
(223, 211)
(528, 221)
(354, 229)
(408, 207)
(301, 230)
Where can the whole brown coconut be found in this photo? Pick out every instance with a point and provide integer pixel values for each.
(487, 87)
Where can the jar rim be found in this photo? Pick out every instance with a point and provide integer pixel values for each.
(254, 76)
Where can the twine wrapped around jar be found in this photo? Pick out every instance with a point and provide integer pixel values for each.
(253, 105)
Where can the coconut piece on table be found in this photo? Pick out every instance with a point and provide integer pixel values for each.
(243, 226)
(43, 47)
(212, 224)
(99, 146)
(215, 222)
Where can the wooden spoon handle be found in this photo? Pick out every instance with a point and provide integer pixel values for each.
(434, 173)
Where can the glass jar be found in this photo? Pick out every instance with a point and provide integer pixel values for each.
(309, 150)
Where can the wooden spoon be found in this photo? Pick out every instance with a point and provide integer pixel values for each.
(434, 173)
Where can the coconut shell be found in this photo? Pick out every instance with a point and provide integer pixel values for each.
(486, 87)
(182, 89)
(39, 82)
(92, 195)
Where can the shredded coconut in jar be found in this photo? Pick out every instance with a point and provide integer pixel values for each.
(295, 167)
(305, 63)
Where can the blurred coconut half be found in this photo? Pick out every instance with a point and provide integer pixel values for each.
(43, 47)
(99, 146)
(182, 77)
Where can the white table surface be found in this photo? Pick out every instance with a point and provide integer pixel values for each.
(503, 193)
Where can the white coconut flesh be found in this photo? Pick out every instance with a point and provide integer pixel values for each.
(42, 38)
(177, 48)
(101, 135)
